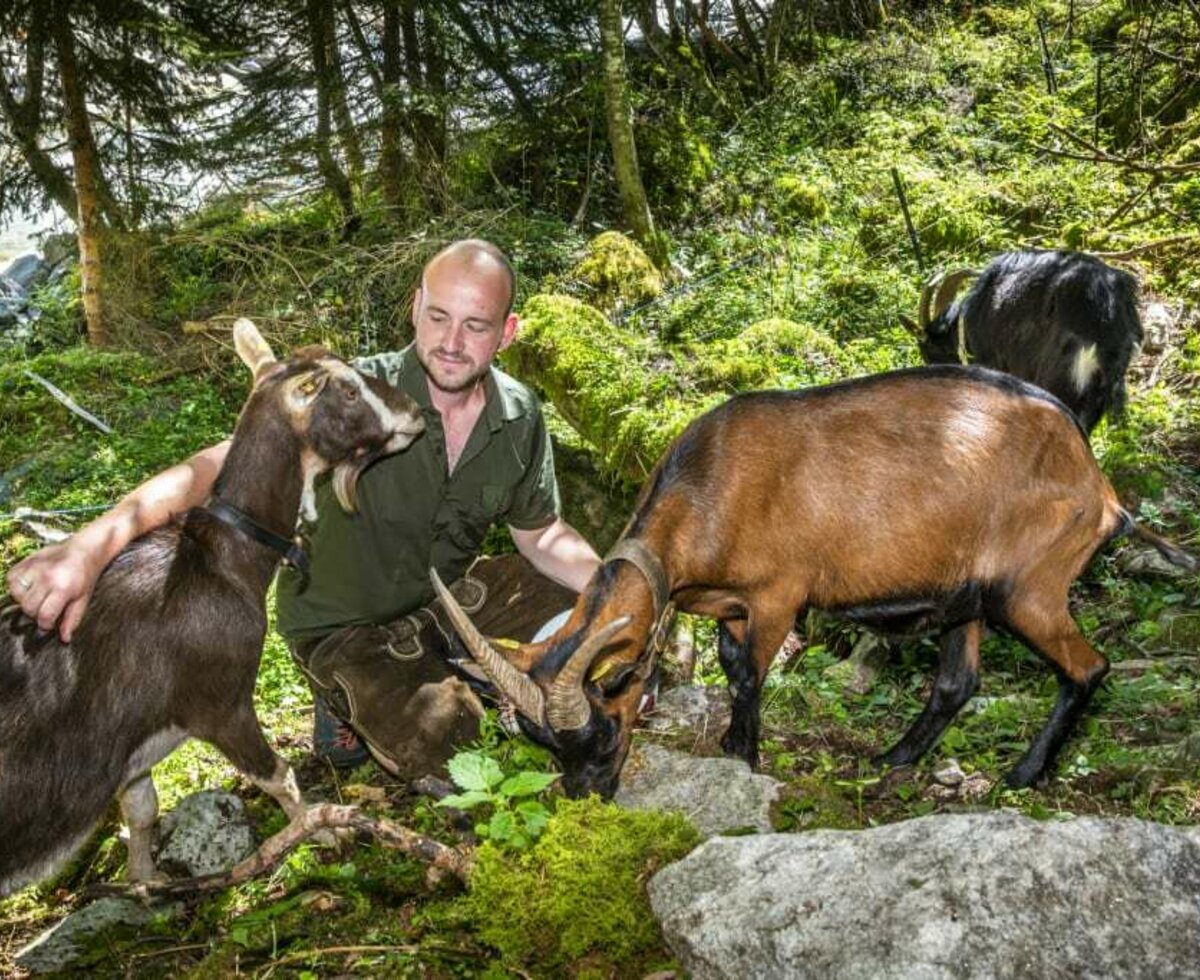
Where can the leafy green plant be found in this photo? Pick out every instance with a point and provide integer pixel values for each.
(516, 819)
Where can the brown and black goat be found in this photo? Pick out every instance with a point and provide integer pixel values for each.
(934, 498)
(1065, 321)
(170, 643)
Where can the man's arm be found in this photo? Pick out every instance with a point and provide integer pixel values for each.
(53, 585)
(559, 552)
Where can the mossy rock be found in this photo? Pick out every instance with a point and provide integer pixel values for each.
(577, 900)
(617, 272)
(796, 200)
(774, 352)
(618, 390)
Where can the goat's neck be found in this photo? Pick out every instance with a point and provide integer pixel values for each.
(264, 473)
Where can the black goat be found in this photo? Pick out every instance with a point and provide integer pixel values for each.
(935, 498)
(170, 643)
(1064, 321)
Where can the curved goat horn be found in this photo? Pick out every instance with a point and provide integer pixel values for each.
(509, 681)
(567, 707)
(948, 288)
(923, 309)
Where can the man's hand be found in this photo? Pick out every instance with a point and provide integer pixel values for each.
(54, 585)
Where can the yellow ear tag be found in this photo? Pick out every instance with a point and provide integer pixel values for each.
(309, 386)
(504, 641)
(600, 671)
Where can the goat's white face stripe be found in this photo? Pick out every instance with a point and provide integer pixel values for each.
(1087, 363)
(387, 418)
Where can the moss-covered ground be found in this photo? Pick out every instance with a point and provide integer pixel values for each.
(791, 267)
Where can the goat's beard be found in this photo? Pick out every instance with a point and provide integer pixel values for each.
(345, 480)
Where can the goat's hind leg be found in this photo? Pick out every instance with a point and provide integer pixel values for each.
(139, 808)
(1052, 632)
(957, 679)
(240, 738)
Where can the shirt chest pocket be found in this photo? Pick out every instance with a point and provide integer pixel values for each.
(495, 499)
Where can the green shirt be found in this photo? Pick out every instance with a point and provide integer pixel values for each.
(373, 566)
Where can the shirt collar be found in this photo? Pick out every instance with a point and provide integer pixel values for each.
(501, 404)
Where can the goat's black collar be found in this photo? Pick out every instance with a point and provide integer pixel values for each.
(293, 553)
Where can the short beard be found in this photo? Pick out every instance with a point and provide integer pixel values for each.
(467, 383)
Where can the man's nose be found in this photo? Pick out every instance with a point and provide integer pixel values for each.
(455, 335)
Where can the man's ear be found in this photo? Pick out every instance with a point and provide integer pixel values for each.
(511, 325)
(416, 305)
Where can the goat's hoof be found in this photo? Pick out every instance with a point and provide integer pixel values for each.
(1022, 777)
(896, 757)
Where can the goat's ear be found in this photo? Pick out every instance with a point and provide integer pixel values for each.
(304, 388)
(910, 325)
(251, 347)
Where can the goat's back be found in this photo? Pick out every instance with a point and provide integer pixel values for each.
(138, 674)
(909, 481)
(1031, 313)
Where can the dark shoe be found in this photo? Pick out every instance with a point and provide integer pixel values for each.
(333, 740)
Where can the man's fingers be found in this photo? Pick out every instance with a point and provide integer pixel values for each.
(71, 618)
(49, 610)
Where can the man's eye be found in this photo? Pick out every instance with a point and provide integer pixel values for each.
(476, 327)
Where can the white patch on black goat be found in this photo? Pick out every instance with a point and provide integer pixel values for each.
(1084, 368)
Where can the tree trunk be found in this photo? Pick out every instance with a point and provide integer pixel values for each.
(24, 116)
(343, 120)
(332, 174)
(87, 177)
(391, 156)
(620, 135)
(424, 125)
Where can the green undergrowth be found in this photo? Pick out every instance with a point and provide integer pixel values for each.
(575, 903)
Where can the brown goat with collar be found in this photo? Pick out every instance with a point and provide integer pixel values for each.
(170, 644)
(933, 498)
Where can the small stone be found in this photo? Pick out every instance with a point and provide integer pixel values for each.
(858, 672)
(717, 795)
(207, 833)
(1148, 562)
(951, 774)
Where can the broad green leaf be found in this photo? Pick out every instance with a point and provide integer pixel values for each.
(464, 801)
(473, 770)
(535, 816)
(527, 783)
(502, 826)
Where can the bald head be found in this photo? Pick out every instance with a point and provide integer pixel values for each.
(474, 258)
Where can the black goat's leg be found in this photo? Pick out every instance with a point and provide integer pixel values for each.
(745, 649)
(741, 739)
(957, 679)
(139, 808)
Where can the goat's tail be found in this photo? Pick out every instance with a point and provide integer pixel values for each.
(1170, 551)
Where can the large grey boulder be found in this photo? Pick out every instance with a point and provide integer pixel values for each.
(717, 795)
(966, 895)
(66, 944)
(207, 833)
(25, 271)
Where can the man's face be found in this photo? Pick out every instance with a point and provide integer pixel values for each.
(461, 318)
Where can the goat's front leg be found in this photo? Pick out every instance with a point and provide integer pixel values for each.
(139, 808)
(745, 649)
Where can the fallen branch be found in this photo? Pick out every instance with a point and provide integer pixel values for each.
(323, 816)
(67, 401)
(1094, 154)
(1149, 663)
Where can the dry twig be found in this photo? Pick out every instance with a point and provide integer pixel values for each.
(323, 816)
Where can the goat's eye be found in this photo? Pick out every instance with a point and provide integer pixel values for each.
(351, 392)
